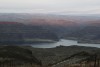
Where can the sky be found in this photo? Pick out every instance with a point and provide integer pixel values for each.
(50, 6)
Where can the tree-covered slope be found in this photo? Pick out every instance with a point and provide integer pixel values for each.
(12, 32)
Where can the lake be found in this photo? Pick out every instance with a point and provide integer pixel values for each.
(63, 42)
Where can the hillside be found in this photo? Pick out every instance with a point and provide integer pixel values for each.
(50, 56)
(27, 56)
(13, 32)
(15, 56)
(56, 23)
(90, 33)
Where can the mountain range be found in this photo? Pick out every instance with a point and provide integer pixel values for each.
(80, 27)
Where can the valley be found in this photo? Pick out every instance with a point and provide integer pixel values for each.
(84, 29)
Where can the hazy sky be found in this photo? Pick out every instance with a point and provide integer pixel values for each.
(51, 6)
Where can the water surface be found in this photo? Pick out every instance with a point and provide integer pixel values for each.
(63, 42)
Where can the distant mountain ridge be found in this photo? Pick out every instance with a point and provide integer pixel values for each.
(28, 17)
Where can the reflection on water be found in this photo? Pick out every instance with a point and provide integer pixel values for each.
(63, 42)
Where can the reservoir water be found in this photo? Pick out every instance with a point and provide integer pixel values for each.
(63, 42)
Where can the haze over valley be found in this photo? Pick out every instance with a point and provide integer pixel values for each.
(85, 29)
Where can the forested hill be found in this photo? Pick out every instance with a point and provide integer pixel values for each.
(15, 56)
(13, 32)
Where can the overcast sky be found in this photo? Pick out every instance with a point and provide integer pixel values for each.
(51, 6)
